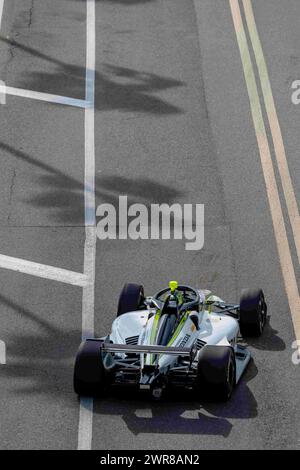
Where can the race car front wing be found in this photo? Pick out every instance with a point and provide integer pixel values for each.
(142, 349)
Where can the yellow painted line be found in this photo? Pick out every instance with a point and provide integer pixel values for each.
(283, 248)
(280, 153)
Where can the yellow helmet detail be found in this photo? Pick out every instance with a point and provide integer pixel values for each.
(173, 285)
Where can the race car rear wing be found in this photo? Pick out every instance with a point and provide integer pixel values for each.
(143, 349)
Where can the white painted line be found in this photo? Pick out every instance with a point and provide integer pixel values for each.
(49, 98)
(1, 10)
(43, 271)
(88, 290)
(2, 352)
(85, 427)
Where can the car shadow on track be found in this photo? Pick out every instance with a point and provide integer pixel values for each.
(180, 413)
(269, 341)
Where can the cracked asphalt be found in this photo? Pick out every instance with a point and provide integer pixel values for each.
(172, 124)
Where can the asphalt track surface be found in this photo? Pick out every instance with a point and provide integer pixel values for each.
(172, 124)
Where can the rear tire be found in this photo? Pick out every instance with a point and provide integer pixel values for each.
(90, 376)
(131, 298)
(216, 373)
(253, 312)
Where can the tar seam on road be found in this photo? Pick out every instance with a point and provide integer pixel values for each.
(283, 248)
(85, 427)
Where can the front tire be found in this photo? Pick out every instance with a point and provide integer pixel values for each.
(253, 312)
(131, 298)
(216, 373)
(90, 376)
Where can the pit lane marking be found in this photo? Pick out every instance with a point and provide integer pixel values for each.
(44, 271)
(49, 98)
(284, 172)
(283, 248)
(2, 345)
(85, 426)
(1, 10)
(22, 265)
(86, 280)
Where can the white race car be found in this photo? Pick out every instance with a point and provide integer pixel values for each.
(180, 338)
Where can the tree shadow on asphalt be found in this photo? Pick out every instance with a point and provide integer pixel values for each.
(122, 2)
(44, 360)
(117, 88)
(126, 2)
(63, 195)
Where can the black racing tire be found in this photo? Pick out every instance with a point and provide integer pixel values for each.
(131, 298)
(253, 312)
(90, 376)
(216, 373)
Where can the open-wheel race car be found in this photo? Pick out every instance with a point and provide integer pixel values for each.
(179, 338)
